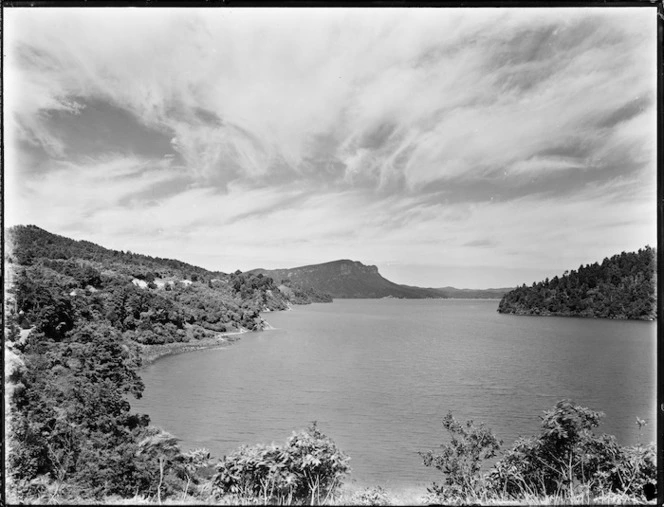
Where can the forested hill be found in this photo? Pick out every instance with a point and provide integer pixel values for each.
(30, 243)
(149, 299)
(622, 287)
(89, 315)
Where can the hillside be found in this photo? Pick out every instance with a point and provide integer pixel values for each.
(622, 287)
(80, 320)
(149, 299)
(27, 244)
(303, 295)
(347, 279)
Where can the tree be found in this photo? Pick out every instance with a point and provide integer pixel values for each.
(567, 455)
(461, 460)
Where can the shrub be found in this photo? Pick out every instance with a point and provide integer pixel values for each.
(567, 457)
(461, 460)
(635, 470)
(307, 468)
(198, 462)
(371, 496)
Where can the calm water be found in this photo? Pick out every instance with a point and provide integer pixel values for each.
(379, 375)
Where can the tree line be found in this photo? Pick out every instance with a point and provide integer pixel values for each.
(621, 287)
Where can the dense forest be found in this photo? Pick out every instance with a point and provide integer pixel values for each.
(622, 287)
(88, 314)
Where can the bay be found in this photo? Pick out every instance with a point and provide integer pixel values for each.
(379, 376)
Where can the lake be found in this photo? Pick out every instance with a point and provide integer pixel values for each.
(379, 376)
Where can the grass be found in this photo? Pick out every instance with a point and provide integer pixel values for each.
(351, 495)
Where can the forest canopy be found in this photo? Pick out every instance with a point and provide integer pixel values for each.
(621, 287)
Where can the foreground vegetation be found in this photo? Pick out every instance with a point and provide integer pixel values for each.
(622, 287)
(77, 327)
(567, 463)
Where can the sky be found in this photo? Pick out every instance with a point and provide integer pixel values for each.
(472, 147)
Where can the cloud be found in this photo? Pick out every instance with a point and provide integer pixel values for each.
(480, 243)
(443, 98)
(538, 164)
(231, 135)
(74, 193)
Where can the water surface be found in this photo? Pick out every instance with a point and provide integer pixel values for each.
(379, 375)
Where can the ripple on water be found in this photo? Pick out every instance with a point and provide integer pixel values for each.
(379, 375)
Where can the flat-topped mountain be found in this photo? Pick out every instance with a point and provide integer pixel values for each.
(346, 279)
(351, 279)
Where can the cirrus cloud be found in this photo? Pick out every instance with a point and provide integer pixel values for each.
(399, 136)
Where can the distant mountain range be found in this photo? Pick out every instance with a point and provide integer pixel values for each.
(351, 279)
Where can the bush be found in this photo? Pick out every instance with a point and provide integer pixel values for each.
(309, 467)
(371, 496)
(568, 458)
(636, 469)
(461, 460)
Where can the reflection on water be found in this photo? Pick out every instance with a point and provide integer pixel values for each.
(379, 375)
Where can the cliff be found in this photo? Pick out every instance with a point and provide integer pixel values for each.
(347, 279)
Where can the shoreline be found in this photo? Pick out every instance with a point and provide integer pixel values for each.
(151, 353)
(522, 313)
